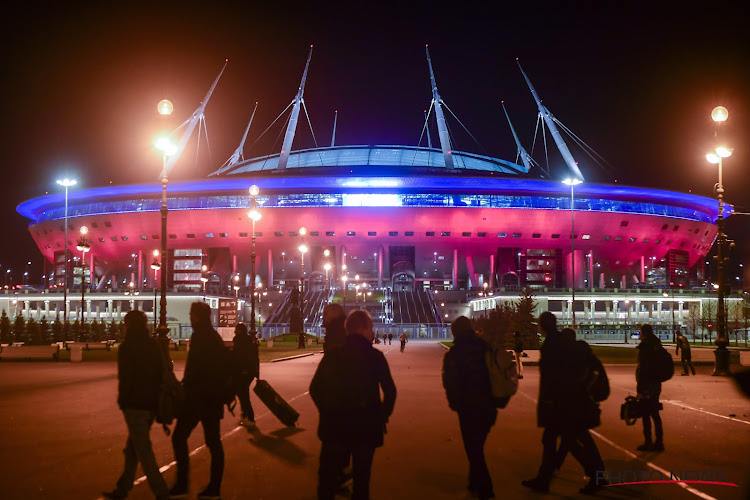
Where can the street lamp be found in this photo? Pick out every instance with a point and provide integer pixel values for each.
(204, 279)
(254, 215)
(66, 183)
(327, 267)
(83, 247)
(572, 183)
(155, 265)
(302, 248)
(721, 368)
(168, 148)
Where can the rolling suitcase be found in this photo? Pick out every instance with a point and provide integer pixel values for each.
(275, 403)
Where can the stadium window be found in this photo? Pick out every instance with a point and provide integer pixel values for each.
(665, 227)
(555, 236)
(144, 237)
(258, 234)
(124, 238)
(465, 234)
(351, 233)
(657, 242)
(211, 235)
(646, 240)
(669, 242)
(242, 235)
(586, 237)
(154, 236)
(675, 228)
(430, 233)
(445, 233)
(536, 235)
(172, 236)
(607, 238)
(278, 233)
(107, 223)
(191, 235)
(481, 235)
(624, 223)
(618, 238)
(330, 233)
(96, 226)
(632, 240)
(223, 235)
(409, 233)
(501, 235)
(682, 244)
(101, 240)
(372, 233)
(516, 235)
(314, 233)
(293, 233)
(114, 238)
(392, 233)
(697, 229)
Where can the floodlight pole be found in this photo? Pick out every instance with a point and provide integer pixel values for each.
(162, 331)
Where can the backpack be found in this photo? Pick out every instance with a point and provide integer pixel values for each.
(597, 383)
(171, 399)
(503, 376)
(664, 366)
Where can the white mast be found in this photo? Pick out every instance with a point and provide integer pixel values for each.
(196, 117)
(335, 119)
(550, 121)
(525, 157)
(445, 141)
(294, 118)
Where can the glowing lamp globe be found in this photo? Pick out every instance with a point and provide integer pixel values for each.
(165, 107)
(719, 114)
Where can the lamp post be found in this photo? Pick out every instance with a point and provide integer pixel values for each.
(327, 267)
(254, 215)
(204, 279)
(155, 265)
(168, 148)
(344, 278)
(83, 247)
(302, 249)
(572, 183)
(721, 368)
(66, 183)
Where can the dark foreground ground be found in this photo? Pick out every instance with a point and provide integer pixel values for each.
(61, 436)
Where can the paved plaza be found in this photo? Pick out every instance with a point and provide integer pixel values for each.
(61, 436)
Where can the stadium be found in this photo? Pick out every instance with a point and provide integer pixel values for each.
(400, 219)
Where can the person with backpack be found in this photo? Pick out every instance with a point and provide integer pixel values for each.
(686, 357)
(139, 373)
(245, 367)
(205, 379)
(466, 381)
(649, 375)
(565, 408)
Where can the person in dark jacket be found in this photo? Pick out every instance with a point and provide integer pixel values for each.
(686, 357)
(139, 373)
(466, 381)
(333, 321)
(649, 389)
(518, 349)
(245, 367)
(565, 408)
(390, 338)
(346, 390)
(206, 373)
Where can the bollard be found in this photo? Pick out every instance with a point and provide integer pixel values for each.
(76, 354)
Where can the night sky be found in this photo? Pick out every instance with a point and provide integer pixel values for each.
(637, 83)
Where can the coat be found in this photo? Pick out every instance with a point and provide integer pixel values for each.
(647, 381)
(245, 358)
(346, 390)
(206, 373)
(564, 402)
(466, 378)
(139, 373)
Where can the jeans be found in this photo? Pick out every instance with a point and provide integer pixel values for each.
(333, 459)
(650, 411)
(138, 449)
(242, 389)
(474, 431)
(212, 434)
